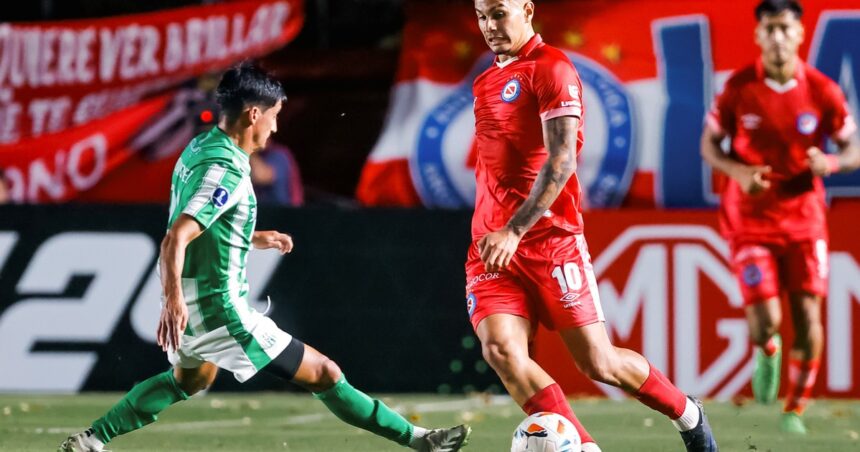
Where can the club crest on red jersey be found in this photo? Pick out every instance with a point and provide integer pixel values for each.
(752, 275)
(511, 90)
(471, 303)
(807, 123)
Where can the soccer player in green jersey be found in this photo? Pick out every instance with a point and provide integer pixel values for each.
(206, 322)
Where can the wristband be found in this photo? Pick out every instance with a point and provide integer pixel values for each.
(833, 166)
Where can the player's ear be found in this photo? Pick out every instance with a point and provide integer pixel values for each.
(254, 114)
(528, 11)
(801, 32)
(757, 33)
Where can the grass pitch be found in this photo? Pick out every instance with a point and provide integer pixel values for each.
(293, 422)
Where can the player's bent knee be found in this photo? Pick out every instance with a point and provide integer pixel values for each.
(598, 368)
(503, 356)
(194, 381)
(325, 374)
(330, 373)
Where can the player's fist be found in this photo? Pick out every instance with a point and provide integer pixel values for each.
(820, 163)
(264, 240)
(753, 179)
(498, 248)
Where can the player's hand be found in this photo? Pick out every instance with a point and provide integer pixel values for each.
(171, 326)
(753, 179)
(498, 248)
(817, 161)
(264, 240)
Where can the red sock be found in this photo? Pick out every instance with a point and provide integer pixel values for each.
(552, 399)
(770, 348)
(658, 393)
(801, 379)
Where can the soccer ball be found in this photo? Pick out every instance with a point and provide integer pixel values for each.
(546, 432)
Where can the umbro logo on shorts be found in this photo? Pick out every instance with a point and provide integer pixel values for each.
(569, 300)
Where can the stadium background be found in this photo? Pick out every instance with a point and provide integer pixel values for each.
(378, 126)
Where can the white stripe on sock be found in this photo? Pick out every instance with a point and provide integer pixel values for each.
(690, 419)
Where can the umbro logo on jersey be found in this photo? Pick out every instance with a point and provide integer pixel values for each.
(220, 196)
(807, 123)
(511, 90)
(573, 90)
(751, 121)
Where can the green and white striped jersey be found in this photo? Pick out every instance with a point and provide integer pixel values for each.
(212, 183)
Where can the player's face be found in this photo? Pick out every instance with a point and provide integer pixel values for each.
(779, 37)
(265, 125)
(504, 24)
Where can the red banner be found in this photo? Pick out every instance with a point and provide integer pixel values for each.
(649, 68)
(668, 292)
(61, 82)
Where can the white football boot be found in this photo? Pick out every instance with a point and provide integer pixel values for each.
(85, 441)
(445, 439)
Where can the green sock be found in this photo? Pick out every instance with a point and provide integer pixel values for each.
(357, 408)
(140, 406)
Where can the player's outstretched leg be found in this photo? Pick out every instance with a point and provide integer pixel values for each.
(764, 318)
(140, 407)
(504, 343)
(601, 361)
(325, 380)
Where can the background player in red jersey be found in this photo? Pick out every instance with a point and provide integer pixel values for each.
(528, 262)
(778, 113)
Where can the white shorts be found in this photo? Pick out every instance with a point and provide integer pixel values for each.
(243, 349)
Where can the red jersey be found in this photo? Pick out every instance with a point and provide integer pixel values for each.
(775, 125)
(512, 99)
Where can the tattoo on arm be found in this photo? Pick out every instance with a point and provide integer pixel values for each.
(559, 135)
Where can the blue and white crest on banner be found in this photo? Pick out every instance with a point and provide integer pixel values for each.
(438, 171)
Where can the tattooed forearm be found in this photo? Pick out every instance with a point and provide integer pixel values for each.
(559, 135)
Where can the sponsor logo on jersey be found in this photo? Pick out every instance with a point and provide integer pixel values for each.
(183, 173)
(481, 278)
(807, 123)
(573, 90)
(751, 121)
(471, 303)
(511, 90)
(751, 275)
(220, 196)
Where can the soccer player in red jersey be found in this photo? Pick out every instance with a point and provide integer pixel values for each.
(778, 113)
(529, 262)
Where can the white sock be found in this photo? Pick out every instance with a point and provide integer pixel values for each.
(418, 434)
(590, 447)
(690, 419)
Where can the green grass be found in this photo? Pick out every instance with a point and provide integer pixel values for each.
(290, 422)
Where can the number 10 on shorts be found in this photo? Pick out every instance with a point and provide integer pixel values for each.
(568, 277)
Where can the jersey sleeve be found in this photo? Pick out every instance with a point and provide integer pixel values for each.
(210, 191)
(721, 118)
(837, 120)
(558, 89)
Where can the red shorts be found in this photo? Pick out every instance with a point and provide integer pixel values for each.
(550, 280)
(764, 270)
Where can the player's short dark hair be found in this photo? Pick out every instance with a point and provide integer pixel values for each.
(774, 7)
(244, 86)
